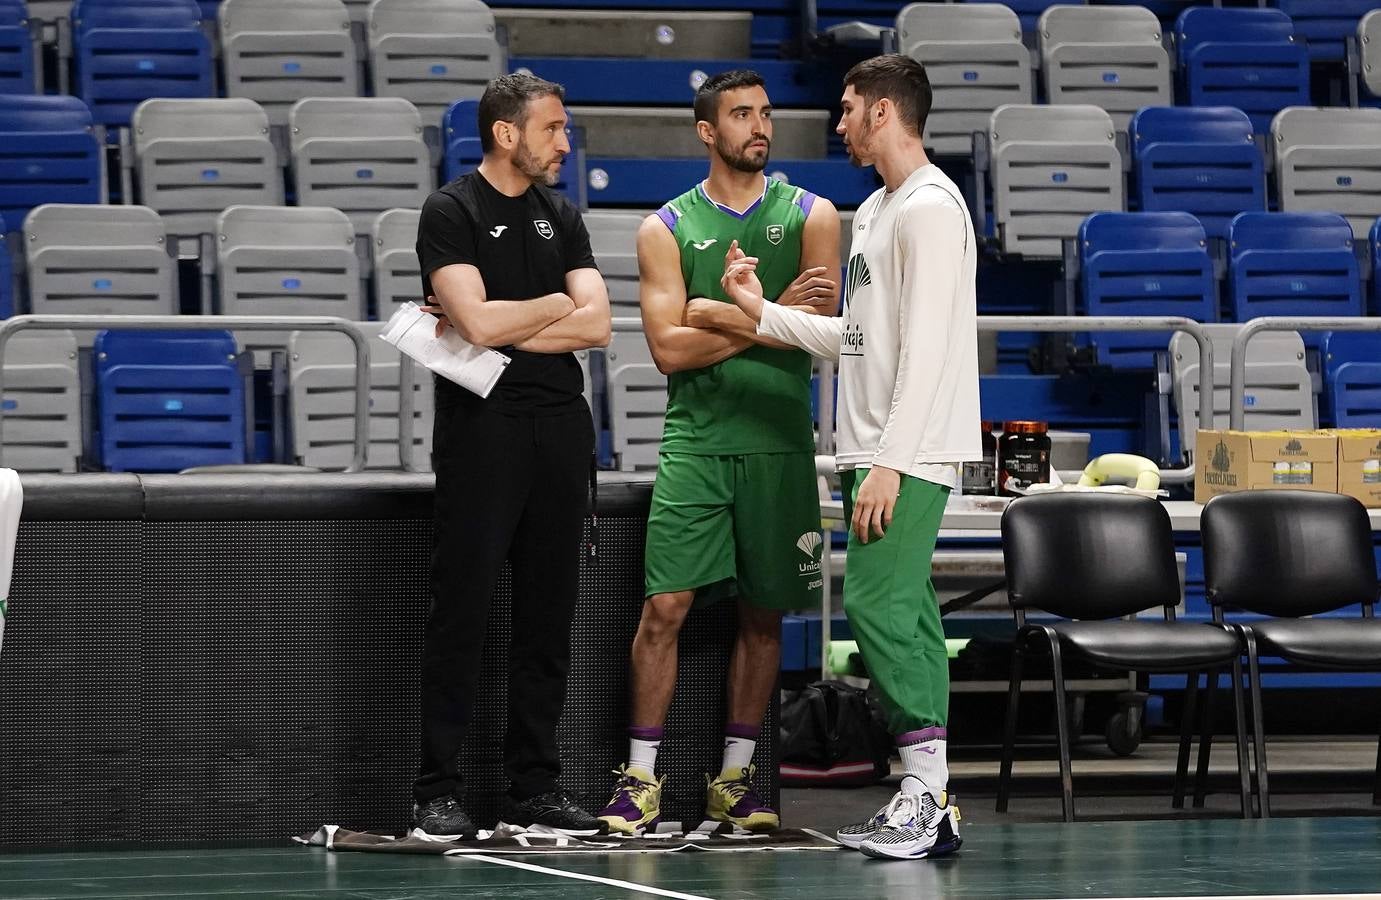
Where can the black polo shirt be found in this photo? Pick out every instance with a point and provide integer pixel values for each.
(523, 247)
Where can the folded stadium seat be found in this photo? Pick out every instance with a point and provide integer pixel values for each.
(1201, 160)
(360, 155)
(1144, 264)
(1325, 24)
(7, 274)
(637, 395)
(1352, 378)
(461, 150)
(975, 61)
(614, 240)
(130, 50)
(1327, 160)
(1051, 166)
(16, 49)
(1246, 58)
(1316, 597)
(321, 373)
(1110, 57)
(642, 157)
(432, 52)
(168, 400)
(1292, 264)
(194, 158)
(99, 260)
(49, 153)
(1030, 11)
(276, 52)
(1369, 48)
(286, 261)
(43, 426)
(397, 273)
(1279, 388)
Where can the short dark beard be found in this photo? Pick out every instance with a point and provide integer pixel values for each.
(853, 147)
(739, 160)
(532, 167)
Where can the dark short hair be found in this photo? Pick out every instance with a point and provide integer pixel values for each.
(900, 79)
(505, 100)
(707, 95)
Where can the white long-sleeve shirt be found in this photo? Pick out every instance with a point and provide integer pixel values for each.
(907, 344)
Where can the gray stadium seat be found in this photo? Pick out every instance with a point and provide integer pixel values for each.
(657, 133)
(976, 62)
(1279, 390)
(1369, 45)
(1108, 56)
(42, 403)
(360, 155)
(286, 261)
(397, 273)
(98, 260)
(433, 52)
(278, 51)
(614, 240)
(1051, 167)
(321, 369)
(1326, 161)
(663, 34)
(637, 395)
(196, 157)
(359, 10)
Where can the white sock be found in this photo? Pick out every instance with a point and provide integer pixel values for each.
(738, 753)
(925, 766)
(642, 753)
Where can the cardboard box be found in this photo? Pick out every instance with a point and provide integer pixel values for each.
(1359, 465)
(1228, 461)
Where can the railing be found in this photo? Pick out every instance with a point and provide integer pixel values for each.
(1249, 329)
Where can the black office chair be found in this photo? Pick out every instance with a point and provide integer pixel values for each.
(1092, 559)
(1288, 555)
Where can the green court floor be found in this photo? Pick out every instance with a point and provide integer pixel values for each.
(1209, 858)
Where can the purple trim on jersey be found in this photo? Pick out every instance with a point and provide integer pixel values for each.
(724, 209)
(911, 738)
(741, 731)
(805, 201)
(668, 218)
(645, 733)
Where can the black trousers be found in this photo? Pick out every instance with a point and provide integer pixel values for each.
(508, 487)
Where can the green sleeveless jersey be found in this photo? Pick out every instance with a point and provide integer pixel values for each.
(759, 400)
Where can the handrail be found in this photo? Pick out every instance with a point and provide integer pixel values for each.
(13, 326)
(1238, 387)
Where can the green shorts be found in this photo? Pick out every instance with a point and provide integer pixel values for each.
(745, 526)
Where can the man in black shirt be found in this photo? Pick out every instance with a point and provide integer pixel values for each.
(507, 263)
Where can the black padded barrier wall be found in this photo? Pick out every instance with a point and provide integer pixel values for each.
(233, 658)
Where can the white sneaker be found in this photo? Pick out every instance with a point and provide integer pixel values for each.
(916, 827)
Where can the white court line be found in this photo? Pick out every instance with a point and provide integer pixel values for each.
(613, 882)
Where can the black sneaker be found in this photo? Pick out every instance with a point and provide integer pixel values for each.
(552, 812)
(442, 817)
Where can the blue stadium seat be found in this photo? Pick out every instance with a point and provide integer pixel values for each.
(168, 401)
(1352, 378)
(1374, 244)
(16, 49)
(1029, 11)
(1293, 264)
(461, 151)
(1144, 264)
(1325, 24)
(1200, 160)
(1245, 58)
(48, 154)
(129, 51)
(6, 273)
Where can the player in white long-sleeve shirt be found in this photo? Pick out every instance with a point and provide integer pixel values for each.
(907, 347)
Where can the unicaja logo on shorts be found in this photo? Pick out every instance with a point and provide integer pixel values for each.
(811, 544)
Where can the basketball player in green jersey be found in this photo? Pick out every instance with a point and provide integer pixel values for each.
(735, 510)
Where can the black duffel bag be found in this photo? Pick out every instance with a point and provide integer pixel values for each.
(832, 735)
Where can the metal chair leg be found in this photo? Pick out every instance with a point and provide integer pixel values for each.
(1239, 717)
(1263, 786)
(1191, 696)
(1205, 739)
(1062, 727)
(1009, 729)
